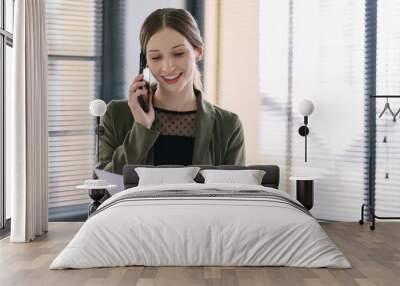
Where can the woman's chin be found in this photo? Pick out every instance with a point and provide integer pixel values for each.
(171, 87)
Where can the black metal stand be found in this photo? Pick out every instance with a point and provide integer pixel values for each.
(373, 215)
(99, 131)
(96, 195)
(304, 131)
(371, 166)
(305, 193)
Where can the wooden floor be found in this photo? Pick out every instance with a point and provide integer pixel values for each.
(374, 255)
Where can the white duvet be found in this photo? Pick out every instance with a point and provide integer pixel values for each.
(200, 231)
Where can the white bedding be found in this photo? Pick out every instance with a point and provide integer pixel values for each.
(184, 231)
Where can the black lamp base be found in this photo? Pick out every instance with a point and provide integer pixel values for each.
(96, 195)
(303, 130)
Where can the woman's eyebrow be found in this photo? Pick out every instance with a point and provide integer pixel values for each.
(174, 47)
(178, 46)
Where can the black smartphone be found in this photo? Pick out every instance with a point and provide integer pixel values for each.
(142, 66)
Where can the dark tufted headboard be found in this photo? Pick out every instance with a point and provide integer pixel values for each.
(270, 179)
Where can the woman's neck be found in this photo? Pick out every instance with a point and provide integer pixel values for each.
(184, 100)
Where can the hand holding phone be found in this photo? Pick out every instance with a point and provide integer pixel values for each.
(142, 111)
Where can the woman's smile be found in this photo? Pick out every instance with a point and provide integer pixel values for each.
(172, 79)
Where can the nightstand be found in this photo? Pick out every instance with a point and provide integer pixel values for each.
(305, 190)
(96, 193)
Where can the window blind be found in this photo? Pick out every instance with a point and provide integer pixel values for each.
(74, 79)
(274, 86)
(387, 179)
(315, 50)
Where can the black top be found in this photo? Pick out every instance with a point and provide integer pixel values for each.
(174, 146)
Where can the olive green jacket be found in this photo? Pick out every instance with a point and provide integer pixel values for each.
(219, 138)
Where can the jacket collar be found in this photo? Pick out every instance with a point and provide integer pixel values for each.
(204, 123)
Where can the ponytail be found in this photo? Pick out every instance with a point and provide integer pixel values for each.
(197, 83)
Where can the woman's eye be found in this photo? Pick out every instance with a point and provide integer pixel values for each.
(177, 55)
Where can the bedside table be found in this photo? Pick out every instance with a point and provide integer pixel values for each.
(305, 190)
(96, 193)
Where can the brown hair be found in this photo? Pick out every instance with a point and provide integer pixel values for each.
(179, 20)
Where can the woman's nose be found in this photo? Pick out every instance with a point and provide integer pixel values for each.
(168, 65)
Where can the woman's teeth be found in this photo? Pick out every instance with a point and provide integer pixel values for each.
(171, 79)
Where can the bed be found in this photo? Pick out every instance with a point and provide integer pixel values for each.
(201, 224)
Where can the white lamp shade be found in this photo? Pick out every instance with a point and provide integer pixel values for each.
(97, 107)
(306, 107)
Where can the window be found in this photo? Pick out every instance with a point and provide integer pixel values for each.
(315, 50)
(6, 44)
(74, 78)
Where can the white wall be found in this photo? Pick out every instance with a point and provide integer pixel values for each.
(136, 12)
(231, 75)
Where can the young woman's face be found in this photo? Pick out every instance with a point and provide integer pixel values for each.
(172, 59)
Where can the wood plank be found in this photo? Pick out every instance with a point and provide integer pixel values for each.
(374, 255)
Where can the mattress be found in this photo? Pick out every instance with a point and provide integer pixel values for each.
(201, 225)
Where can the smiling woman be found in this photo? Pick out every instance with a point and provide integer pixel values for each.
(179, 127)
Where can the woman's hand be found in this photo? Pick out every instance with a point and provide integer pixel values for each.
(137, 88)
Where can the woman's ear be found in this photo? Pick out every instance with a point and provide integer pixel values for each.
(199, 54)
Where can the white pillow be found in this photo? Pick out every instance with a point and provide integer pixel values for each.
(248, 177)
(162, 176)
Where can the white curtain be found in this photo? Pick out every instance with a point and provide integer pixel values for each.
(26, 119)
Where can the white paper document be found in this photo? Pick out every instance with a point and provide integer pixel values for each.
(111, 178)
